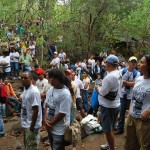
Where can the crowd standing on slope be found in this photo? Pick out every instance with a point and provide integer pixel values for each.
(51, 99)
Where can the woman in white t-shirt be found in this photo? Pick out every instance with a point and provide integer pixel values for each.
(138, 122)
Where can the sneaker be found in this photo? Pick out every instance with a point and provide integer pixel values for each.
(14, 78)
(105, 147)
(118, 132)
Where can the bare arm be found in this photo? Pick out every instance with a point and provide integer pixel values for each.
(34, 117)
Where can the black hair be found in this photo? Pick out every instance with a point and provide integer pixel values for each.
(147, 57)
(36, 66)
(34, 76)
(59, 74)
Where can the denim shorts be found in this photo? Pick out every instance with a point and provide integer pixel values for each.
(56, 141)
(108, 118)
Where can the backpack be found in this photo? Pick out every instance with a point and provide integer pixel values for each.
(3, 93)
(94, 100)
(134, 72)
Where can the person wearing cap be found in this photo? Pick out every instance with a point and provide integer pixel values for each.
(41, 82)
(129, 76)
(55, 63)
(109, 99)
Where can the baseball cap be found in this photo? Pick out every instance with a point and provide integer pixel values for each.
(40, 71)
(68, 72)
(112, 59)
(55, 53)
(132, 58)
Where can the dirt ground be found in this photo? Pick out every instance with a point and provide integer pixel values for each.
(91, 142)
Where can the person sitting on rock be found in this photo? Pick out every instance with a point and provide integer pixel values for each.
(12, 98)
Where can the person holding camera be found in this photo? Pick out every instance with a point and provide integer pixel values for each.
(129, 75)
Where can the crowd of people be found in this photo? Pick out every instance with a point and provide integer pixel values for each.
(51, 99)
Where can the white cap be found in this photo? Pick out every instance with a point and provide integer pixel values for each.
(55, 52)
(132, 58)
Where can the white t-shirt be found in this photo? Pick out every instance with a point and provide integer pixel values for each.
(141, 97)
(41, 84)
(32, 48)
(61, 56)
(79, 87)
(31, 97)
(7, 60)
(59, 101)
(91, 62)
(128, 76)
(86, 80)
(56, 61)
(111, 83)
(13, 55)
(83, 65)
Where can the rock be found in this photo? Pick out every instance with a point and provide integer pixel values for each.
(18, 145)
(16, 127)
(16, 118)
(43, 136)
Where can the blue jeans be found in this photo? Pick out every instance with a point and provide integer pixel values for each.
(15, 68)
(2, 130)
(26, 68)
(14, 100)
(85, 100)
(56, 141)
(3, 110)
(125, 104)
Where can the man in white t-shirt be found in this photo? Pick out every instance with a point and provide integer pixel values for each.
(86, 83)
(5, 63)
(57, 109)
(78, 95)
(91, 64)
(55, 62)
(32, 48)
(129, 76)
(62, 55)
(31, 112)
(14, 61)
(109, 99)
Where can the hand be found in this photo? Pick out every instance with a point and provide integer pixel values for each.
(145, 115)
(97, 88)
(47, 124)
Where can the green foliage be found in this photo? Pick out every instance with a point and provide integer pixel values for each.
(85, 24)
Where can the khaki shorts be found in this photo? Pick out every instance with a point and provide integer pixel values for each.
(31, 139)
(137, 134)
